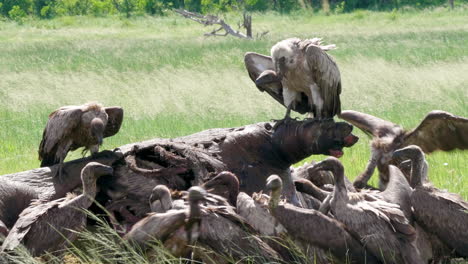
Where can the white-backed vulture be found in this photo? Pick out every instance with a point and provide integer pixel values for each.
(176, 228)
(316, 228)
(300, 75)
(50, 225)
(439, 130)
(381, 226)
(72, 127)
(224, 184)
(439, 212)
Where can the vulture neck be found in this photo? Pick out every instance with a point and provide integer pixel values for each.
(274, 199)
(89, 192)
(166, 202)
(417, 171)
(340, 192)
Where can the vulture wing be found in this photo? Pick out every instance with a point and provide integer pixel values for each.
(367, 123)
(25, 220)
(439, 131)
(326, 75)
(60, 125)
(114, 121)
(262, 67)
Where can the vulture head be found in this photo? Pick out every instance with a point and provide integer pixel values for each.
(97, 130)
(333, 165)
(285, 55)
(94, 170)
(275, 185)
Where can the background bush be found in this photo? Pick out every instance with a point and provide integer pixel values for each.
(51, 8)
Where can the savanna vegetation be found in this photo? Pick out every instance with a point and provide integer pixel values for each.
(19, 10)
(172, 81)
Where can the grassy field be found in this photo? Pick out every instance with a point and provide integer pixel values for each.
(172, 81)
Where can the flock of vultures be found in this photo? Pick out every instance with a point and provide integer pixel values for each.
(231, 195)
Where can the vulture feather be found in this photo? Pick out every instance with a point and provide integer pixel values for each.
(441, 213)
(72, 127)
(50, 225)
(381, 226)
(300, 75)
(439, 130)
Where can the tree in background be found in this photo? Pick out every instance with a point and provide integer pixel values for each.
(326, 6)
(24, 5)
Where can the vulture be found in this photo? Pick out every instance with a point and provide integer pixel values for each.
(300, 75)
(439, 212)
(439, 130)
(224, 184)
(72, 127)
(50, 225)
(316, 228)
(177, 228)
(381, 226)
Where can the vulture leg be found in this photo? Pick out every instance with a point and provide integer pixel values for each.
(287, 118)
(361, 180)
(316, 101)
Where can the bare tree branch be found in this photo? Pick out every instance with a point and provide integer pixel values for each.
(209, 20)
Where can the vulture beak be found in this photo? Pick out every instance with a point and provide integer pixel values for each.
(267, 77)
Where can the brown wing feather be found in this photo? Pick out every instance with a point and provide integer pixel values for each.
(59, 126)
(115, 117)
(256, 64)
(439, 131)
(327, 76)
(25, 220)
(367, 123)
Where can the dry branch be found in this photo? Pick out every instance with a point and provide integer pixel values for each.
(209, 20)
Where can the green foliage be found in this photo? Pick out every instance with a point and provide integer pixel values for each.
(340, 7)
(156, 7)
(256, 5)
(101, 8)
(17, 14)
(193, 5)
(126, 7)
(393, 15)
(286, 6)
(8, 5)
(210, 6)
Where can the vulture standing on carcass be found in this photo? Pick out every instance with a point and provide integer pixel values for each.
(72, 127)
(438, 131)
(381, 226)
(300, 75)
(49, 225)
(439, 212)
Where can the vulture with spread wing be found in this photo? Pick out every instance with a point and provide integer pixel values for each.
(439, 130)
(300, 75)
(72, 127)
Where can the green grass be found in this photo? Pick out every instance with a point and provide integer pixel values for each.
(172, 81)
